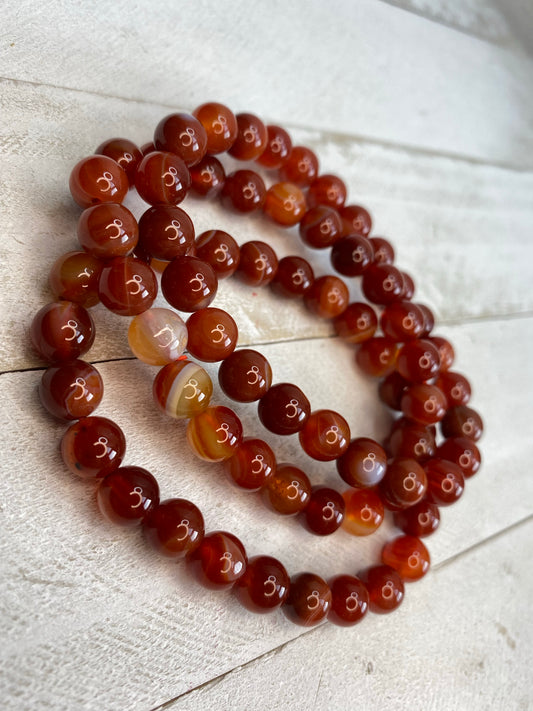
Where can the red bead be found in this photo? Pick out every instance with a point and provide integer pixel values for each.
(352, 255)
(363, 464)
(212, 334)
(220, 126)
(285, 204)
(293, 278)
(429, 322)
(419, 520)
(74, 277)
(463, 452)
(207, 177)
(377, 356)
(446, 352)
(385, 588)
(288, 490)
(418, 361)
(325, 435)
(404, 484)
(258, 263)
(147, 148)
(174, 527)
(284, 409)
(98, 179)
(408, 556)
(391, 390)
(108, 230)
(357, 323)
(327, 297)
(325, 511)
(327, 190)
(382, 284)
(245, 375)
(408, 287)
(402, 321)
(62, 331)
(93, 447)
(413, 441)
(189, 284)
(127, 286)
(244, 191)
(364, 511)
(127, 495)
(383, 250)
(278, 148)
(445, 481)
(251, 138)
(252, 464)
(219, 561)
(355, 219)
(424, 403)
(301, 168)
(455, 387)
(309, 600)
(162, 179)
(214, 434)
(125, 153)
(264, 586)
(320, 227)
(183, 135)
(166, 232)
(71, 390)
(349, 600)
(220, 250)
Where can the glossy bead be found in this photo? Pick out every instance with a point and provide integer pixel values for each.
(183, 135)
(324, 513)
(98, 179)
(352, 255)
(214, 434)
(327, 190)
(418, 361)
(220, 126)
(251, 138)
(127, 495)
(327, 297)
(391, 390)
(385, 588)
(212, 334)
(252, 464)
(309, 600)
(363, 464)
(207, 177)
(377, 356)
(147, 148)
(420, 520)
(404, 484)
(157, 336)
(74, 277)
(258, 263)
(402, 321)
(245, 375)
(182, 389)
(364, 511)
(408, 556)
(446, 352)
(285, 204)
(244, 191)
(325, 435)
(108, 230)
(463, 452)
(174, 527)
(301, 167)
(408, 290)
(445, 481)
(284, 409)
(382, 284)
(383, 250)
(429, 321)
(264, 587)
(220, 250)
(320, 227)
(127, 286)
(424, 403)
(357, 323)
(288, 490)
(125, 153)
(189, 284)
(71, 390)
(455, 387)
(62, 331)
(162, 179)
(293, 278)
(355, 220)
(93, 447)
(219, 561)
(413, 441)
(278, 148)
(166, 232)
(349, 600)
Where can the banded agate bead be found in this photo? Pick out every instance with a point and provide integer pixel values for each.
(127, 286)
(125, 153)
(264, 587)
(383, 250)
(461, 451)
(285, 204)
(408, 556)
(301, 167)
(162, 179)
(127, 495)
(207, 177)
(182, 389)
(418, 361)
(244, 191)
(352, 255)
(219, 561)
(325, 435)
(293, 278)
(327, 190)
(364, 511)
(252, 465)
(74, 277)
(62, 331)
(402, 320)
(455, 387)
(404, 484)
(357, 323)
(355, 219)
(349, 600)
(445, 481)
(288, 490)
(71, 390)
(220, 126)
(324, 513)
(420, 520)
(158, 336)
(220, 250)
(214, 434)
(251, 137)
(309, 599)
(278, 148)
(284, 409)
(258, 263)
(327, 297)
(98, 179)
(174, 527)
(108, 230)
(93, 447)
(462, 421)
(424, 403)
(377, 356)
(385, 588)
(183, 135)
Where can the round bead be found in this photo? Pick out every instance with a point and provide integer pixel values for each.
(147, 148)
(220, 126)
(71, 390)
(166, 232)
(183, 135)
(418, 361)
(355, 219)
(463, 452)
(402, 321)
(74, 277)
(219, 561)
(455, 387)
(127, 495)
(391, 390)
(258, 263)
(382, 284)
(408, 290)
(352, 255)
(325, 435)
(245, 375)
(97, 179)
(174, 528)
(363, 464)
(127, 286)
(278, 148)
(327, 190)
(309, 600)
(320, 227)
(157, 336)
(404, 484)
(445, 481)
(412, 440)
(252, 464)
(285, 204)
(383, 250)
(327, 297)
(93, 447)
(264, 586)
(207, 177)
(212, 334)
(420, 520)
(364, 511)
(244, 191)
(293, 278)
(357, 323)
(220, 250)
(189, 284)
(162, 179)
(108, 230)
(377, 356)
(288, 490)
(408, 556)
(251, 138)
(325, 511)
(446, 352)
(182, 389)
(214, 434)
(349, 600)
(424, 403)
(125, 153)
(284, 409)
(429, 321)
(301, 167)
(385, 588)
(462, 421)
(62, 331)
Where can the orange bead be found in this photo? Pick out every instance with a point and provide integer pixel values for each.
(108, 230)
(98, 179)
(220, 126)
(264, 586)
(74, 277)
(174, 528)
(325, 435)
(252, 465)
(258, 263)
(327, 190)
(418, 361)
(127, 495)
(355, 220)
(157, 336)
(62, 331)
(285, 204)
(219, 561)
(357, 323)
(71, 390)
(320, 227)
(349, 600)
(424, 403)
(377, 356)
(162, 179)
(278, 148)
(182, 389)
(251, 138)
(455, 387)
(408, 556)
(364, 511)
(301, 168)
(244, 191)
(214, 434)
(207, 177)
(288, 490)
(125, 153)
(327, 297)
(446, 482)
(219, 250)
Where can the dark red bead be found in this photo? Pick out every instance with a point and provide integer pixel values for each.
(309, 599)
(244, 191)
(62, 331)
(429, 321)
(220, 250)
(162, 179)
(258, 263)
(385, 588)
(74, 277)
(383, 250)
(363, 464)
(98, 179)
(357, 323)
(408, 556)
(352, 255)
(446, 352)
(219, 561)
(207, 177)
(391, 389)
(424, 403)
(183, 135)
(108, 230)
(420, 520)
(71, 390)
(455, 387)
(252, 464)
(382, 284)
(418, 361)
(294, 277)
(349, 600)
(127, 495)
(284, 409)
(327, 297)
(325, 511)
(264, 586)
(93, 447)
(463, 452)
(301, 168)
(174, 527)
(377, 356)
(278, 148)
(355, 220)
(413, 441)
(404, 484)
(189, 284)
(402, 321)
(212, 334)
(166, 232)
(125, 153)
(320, 227)
(445, 481)
(408, 286)
(327, 190)
(245, 375)
(251, 138)
(288, 490)
(127, 286)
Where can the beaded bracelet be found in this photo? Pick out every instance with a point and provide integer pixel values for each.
(177, 528)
